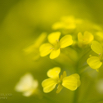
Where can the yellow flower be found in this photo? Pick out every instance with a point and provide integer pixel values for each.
(96, 61)
(27, 85)
(85, 39)
(70, 82)
(33, 50)
(67, 22)
(99, 36)
(54, 45)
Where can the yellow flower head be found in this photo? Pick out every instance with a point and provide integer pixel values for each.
(99, 36)
(67, 22)
(84, 39)
(33, 49)
(54, 45)
(96, 61)
(27, 85)
(70, 82)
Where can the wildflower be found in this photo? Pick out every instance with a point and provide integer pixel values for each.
(33, 50)
(85, 39)
(99, 36)
(96, 61)
(67, 22)
(53, 48)
(71, 82)
(27, 85)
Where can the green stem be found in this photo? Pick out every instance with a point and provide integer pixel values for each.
(76, 94)
(86, 94)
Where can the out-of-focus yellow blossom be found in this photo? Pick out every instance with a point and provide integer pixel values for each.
(67, 22)
(85, 39)
(71, 82)
(54, 45)
(27, 85)
(34, 48)
(96, 61)
(99, 36)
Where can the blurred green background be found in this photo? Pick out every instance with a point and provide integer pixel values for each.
(21, 21)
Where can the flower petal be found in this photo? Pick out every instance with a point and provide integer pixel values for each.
(48, 85)
(94, 62)
(54, 54)
(37, 43)
(66, 41)
(28, 93)
(53, 37)
(25, 83)
(45, 49)
(59, 88)
(88, 37)
(54, 72)
(80, 37)
(71, 82)
(31, 90)
(96, 47)
(57, 25)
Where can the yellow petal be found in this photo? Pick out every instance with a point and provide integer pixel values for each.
(70, 26)
(48, 85)
(45, 49)
(37, 43)
(80, 37)
(59, 88)
(94, 62)
(96, 47)
(68, 19)
(58, 25)
(54, 54)
(54, 72)
(66, 41)
(88, 37)
(40, 40)
(99, 36)
(54, 37)
(71, 82)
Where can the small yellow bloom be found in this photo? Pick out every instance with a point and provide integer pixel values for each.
(99, 36)
(85, 39)
(95, 62)
(27, 85)
(67, 22)
(54, 45)
(33, 49)
(71, 82)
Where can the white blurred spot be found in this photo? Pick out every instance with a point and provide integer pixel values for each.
(27, 85)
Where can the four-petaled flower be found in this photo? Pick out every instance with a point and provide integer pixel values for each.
(85, 39)
(70, 82)
(96, 61)
(67, 22)
(27, 85)
(53, 48)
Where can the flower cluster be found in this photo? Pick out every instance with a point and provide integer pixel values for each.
(70, 82)
(96, 61)
(75, 44)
